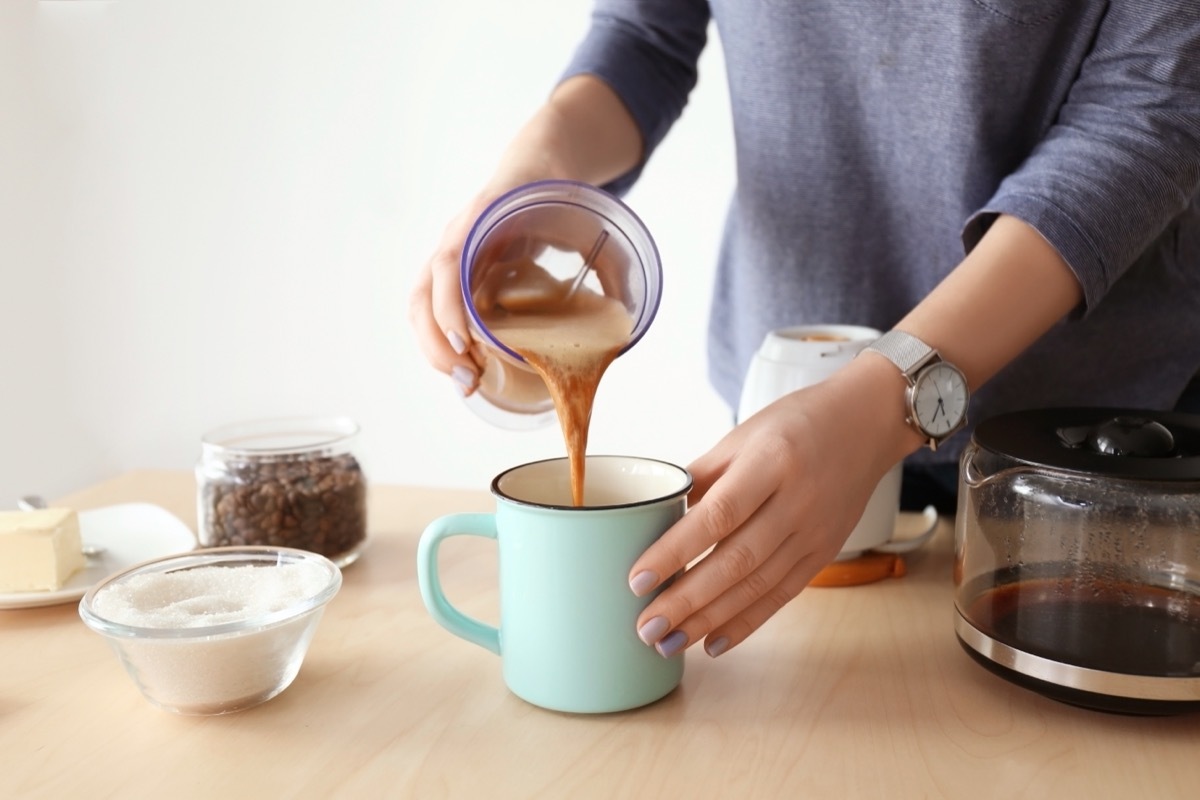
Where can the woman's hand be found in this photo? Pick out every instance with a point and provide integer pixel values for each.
(774, 500)
(435, 308)
(583, 133)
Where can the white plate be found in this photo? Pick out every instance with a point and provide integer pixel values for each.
(129, 533)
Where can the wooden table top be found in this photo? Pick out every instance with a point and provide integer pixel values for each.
(847, 692)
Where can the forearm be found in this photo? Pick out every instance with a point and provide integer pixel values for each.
(583, 132)
(1008, 291)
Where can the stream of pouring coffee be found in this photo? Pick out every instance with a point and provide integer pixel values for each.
(568, 338)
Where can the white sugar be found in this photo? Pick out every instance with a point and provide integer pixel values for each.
(205, 596)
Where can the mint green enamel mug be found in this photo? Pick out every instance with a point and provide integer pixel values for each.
(567, 637)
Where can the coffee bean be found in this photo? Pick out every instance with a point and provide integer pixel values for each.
(315, 503)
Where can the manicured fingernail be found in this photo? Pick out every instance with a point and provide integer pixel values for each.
(643, 582)
(463, 376)
(717, 646)
(672, 644)
(653, 630)
(456, 341)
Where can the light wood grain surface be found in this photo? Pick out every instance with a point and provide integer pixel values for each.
(848, 692)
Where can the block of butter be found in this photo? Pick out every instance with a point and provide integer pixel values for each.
(39, 550)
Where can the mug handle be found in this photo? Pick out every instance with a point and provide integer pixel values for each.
(439, 608)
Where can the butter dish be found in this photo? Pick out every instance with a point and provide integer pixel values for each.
(123, 535)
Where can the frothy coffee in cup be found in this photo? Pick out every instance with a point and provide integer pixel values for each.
(820, 337)
(568, 337)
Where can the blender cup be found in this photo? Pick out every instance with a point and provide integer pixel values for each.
(540, 238)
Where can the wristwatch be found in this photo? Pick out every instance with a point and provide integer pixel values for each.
(937, 395)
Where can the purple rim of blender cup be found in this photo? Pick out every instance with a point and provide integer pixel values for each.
(649, 310)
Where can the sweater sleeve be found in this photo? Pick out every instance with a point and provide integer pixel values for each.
(647, 51)
(1122, 160)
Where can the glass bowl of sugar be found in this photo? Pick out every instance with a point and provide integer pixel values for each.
(216, 630)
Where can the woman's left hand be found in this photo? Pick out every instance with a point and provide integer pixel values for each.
(774, 500)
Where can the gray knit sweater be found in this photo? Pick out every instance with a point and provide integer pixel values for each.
(877, 139)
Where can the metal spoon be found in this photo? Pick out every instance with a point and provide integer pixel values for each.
(32, 502)
(587, 264)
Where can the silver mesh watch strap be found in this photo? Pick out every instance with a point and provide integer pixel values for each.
(903, 349)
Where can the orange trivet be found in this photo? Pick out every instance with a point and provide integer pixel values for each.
(867, 568)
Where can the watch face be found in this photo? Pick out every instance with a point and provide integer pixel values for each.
(939, 399)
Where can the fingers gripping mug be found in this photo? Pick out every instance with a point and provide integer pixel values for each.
(567, 637)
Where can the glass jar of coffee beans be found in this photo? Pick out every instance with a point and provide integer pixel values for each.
(285, 483)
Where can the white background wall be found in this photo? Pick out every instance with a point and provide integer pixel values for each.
(213, 210)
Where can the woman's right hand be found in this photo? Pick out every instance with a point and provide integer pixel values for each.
(583, 133)
(436, 310)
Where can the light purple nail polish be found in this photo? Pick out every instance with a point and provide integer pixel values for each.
(717, 646)
(643, 582)
(463, 376)
(456, 342)
(672, 644)
(653, 630)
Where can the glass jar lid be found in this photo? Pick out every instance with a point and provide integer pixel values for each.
(280, 437)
